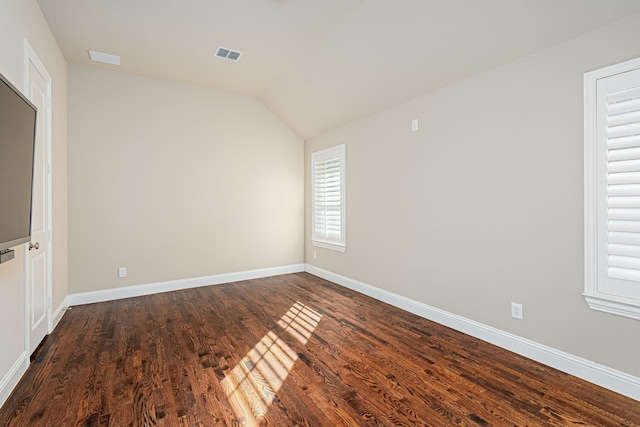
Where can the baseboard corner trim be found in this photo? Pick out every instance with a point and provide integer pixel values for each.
(601, 375)
(13, 376)
(176, 285)
(57, 315)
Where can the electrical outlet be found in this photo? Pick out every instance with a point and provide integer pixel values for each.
(414, 125)
(516, 310)
(122, 272)
(315, 255)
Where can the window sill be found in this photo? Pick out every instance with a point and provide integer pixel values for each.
(326, 245)
(614, 305)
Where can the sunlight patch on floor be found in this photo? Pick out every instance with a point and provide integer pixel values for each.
(252, 384)
(300, 321)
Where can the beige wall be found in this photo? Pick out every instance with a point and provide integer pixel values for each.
(484, 204)
(20, 19)
(175, 181)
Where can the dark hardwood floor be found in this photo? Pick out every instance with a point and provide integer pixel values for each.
(288, 350)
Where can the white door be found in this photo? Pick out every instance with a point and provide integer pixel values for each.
(38, 271)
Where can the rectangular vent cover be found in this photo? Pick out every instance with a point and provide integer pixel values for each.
(105, 58)
(226, 53)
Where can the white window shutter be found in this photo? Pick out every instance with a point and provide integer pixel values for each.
(612, 189)
(328, 198)
(619, 136)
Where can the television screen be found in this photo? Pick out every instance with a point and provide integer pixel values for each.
(17, 143)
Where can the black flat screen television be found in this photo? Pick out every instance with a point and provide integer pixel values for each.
(17, 145)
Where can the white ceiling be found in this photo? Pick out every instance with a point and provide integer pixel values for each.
(319, 64)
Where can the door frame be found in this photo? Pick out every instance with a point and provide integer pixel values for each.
(31, 58)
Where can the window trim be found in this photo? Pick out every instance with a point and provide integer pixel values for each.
(318, 241)
(597, 300)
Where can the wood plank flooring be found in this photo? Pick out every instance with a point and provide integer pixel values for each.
(288, 350)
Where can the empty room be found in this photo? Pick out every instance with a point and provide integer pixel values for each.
(320, 213)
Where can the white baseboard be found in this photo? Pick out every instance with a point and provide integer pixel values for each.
(175, 285)
(12, 377)
(57, 315)
(603, 376)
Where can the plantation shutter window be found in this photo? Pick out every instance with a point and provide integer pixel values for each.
(328, 183)
(612, 189)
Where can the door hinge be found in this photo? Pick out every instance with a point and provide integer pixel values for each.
(49, 235)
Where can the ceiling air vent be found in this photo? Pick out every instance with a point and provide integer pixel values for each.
(230, 54)
(104, 57)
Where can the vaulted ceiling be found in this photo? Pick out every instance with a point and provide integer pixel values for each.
(319, 64)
